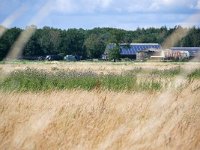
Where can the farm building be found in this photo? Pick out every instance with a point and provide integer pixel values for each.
(148, 54)
(130, 50)
(162, 54)
(193, 51)
(176, 54)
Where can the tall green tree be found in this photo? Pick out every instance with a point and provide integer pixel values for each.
(7, 40)
(95, 46)
(72, 42)
(114, 53)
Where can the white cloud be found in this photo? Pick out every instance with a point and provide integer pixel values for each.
(104, 3)
(91, 6)
(94, 5)
(72, 6)
(166, 5)
(198, 4)
(168, 2)
(177, 3)
(64, 6)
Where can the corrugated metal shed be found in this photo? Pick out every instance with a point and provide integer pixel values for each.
(192, 50)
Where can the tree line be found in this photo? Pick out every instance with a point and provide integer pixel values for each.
(88, 43)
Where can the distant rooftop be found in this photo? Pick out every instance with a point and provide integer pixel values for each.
(133, 48)
(186, 48)
(140, 44)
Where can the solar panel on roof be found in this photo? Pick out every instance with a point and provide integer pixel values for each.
(134, 48)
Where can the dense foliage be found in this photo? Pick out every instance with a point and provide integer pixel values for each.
(88, 43)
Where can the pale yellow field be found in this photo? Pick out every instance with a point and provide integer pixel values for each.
(98, 67)
(101, 119)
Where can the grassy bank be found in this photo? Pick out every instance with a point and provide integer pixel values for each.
(134, 80)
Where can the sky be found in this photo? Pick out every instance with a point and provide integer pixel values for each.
(87, 14)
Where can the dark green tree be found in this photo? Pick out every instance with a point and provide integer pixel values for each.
(7, 40)
(114, 53)
(72, 42)
(95, 46)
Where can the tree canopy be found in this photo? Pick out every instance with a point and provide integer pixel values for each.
(89, 43)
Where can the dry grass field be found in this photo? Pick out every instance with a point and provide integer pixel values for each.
(97, 67)
(101, 119)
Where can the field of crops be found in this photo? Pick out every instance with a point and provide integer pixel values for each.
(87, 105)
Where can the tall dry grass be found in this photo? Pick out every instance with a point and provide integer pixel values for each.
(101, 119)
(96, 119)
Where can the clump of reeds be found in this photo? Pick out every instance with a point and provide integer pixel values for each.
(133, 80)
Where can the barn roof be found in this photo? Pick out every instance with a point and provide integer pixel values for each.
(133, 48)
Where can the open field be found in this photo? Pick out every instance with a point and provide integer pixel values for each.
(100, 117)
(97, 67)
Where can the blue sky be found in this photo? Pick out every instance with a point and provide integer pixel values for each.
(87, 14)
